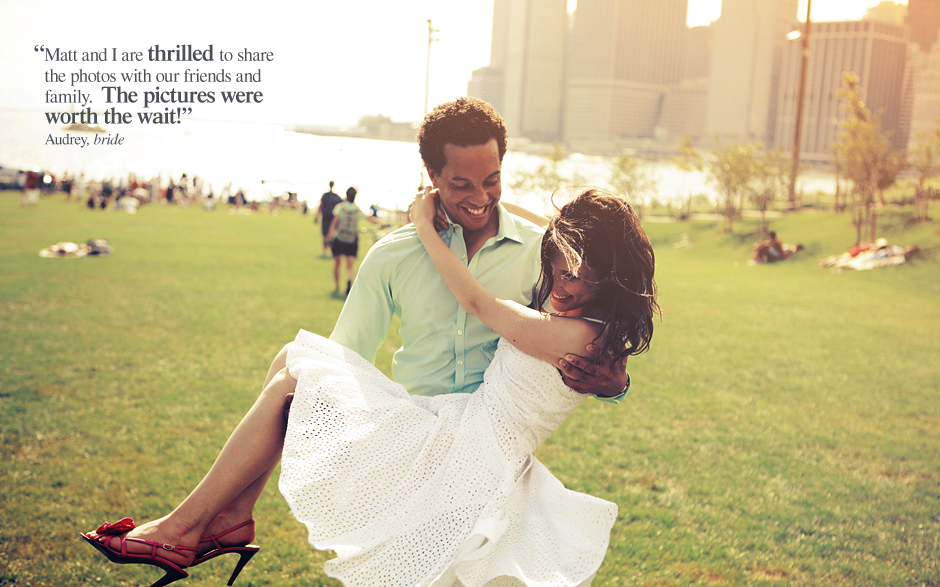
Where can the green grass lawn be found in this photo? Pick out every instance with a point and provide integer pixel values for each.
(784, 429)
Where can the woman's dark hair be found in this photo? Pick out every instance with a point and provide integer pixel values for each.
(463, 122)
(598, 228)
(351, 195)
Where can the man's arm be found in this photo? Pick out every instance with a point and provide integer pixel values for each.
(367, 314)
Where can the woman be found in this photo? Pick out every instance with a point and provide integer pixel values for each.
(431, 490)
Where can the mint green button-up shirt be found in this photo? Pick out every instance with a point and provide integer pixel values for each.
(444, 350)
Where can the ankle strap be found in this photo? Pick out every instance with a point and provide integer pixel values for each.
(226, 532)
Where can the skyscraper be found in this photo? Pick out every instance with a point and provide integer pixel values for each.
(747, 44)
(525, 78)
(923, 19)
(875, 51)
(623, 54)
(923, 97)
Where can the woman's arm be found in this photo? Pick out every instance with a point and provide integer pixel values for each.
(541, 335)
(529, 215)
(332, 232)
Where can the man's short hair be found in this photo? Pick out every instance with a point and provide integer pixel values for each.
(463, 122)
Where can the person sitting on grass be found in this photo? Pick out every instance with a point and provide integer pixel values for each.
(444, 490)
(772, 249)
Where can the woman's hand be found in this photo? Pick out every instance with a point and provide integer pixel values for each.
(425, 206)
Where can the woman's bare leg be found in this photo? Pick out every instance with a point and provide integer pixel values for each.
(235, 479)
(240, 509)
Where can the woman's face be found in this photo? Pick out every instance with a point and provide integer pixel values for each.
(572, 294)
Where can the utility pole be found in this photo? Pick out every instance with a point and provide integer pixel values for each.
(800, 98)
(427, 78)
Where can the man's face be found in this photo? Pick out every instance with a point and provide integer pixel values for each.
(470, 187)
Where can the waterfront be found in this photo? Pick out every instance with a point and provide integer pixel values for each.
(266, 160)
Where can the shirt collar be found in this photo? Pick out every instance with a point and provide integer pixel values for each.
(507, 226)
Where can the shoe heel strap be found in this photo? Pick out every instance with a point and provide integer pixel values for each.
(215, 539)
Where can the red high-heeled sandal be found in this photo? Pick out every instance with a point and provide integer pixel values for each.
(102, 542)
(244, 550)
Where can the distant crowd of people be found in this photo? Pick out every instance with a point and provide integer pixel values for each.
(129, 193)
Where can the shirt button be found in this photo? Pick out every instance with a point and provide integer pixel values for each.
(460, 333)
(464, 257)
(460, 362)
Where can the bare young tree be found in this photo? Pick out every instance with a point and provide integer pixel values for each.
(731, 170)
(688, 158)
(545, 178)
(925, 159)
(770, 177)
(864, 156)
(629, 178)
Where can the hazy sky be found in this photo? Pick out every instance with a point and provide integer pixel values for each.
(333, 61)
(702, 12)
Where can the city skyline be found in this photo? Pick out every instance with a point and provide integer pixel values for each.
(333, 62)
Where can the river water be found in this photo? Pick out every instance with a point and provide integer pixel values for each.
(266, 159)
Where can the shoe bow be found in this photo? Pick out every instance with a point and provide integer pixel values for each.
(122, 526)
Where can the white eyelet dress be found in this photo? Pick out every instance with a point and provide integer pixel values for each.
(438, 491)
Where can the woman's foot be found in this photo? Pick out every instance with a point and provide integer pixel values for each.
(227, 530)
(157, 540)
(225, 537)
(123, 543)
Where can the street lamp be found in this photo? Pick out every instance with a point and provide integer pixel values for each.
(800, 98)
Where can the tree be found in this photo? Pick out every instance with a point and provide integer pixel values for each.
(546, 178)
(688, 158)
(925, 159)
(628, 177)
(863, 154)
(731, 170)
(770, 176)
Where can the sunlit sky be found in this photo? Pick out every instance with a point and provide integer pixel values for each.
(333, 61)
(702, 12)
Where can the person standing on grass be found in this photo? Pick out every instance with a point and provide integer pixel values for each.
(325, 214)
(445, 350)
(411, 491)
(344, 236)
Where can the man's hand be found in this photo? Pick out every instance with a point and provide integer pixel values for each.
(602, 379)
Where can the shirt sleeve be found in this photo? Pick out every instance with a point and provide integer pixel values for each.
(616, 399)
(367, 314)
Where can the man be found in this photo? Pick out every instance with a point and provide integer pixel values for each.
(444, 350)
(325, 213)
